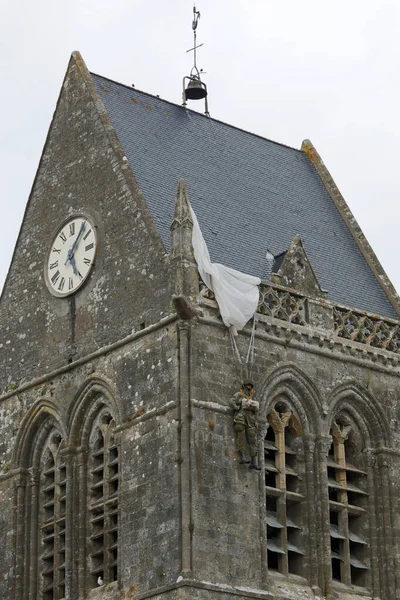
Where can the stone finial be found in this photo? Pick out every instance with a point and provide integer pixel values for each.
(182, 255)
(296, 271)
(182, 225)
(181, 210)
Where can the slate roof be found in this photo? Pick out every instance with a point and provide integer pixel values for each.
(250, 194)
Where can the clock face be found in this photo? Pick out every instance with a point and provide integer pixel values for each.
(71, 256)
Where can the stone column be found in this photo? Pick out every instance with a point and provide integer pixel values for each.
(394, 496)
(375, 576)
(20, 541)
(69, 523)
(262, 432)
(311, 494)
(34, 531)
(278, 422)
(185, 417)
(80, 534)
(383, 464)
(340, 435)
(323, 445)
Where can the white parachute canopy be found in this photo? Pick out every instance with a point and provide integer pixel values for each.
(236, 293)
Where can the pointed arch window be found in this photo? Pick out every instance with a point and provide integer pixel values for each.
(103, 501)
(284, 490)
(348, 507)
(52, 503)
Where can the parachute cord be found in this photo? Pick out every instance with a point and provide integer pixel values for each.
(250, 351)
(236, 352)
(244, 371)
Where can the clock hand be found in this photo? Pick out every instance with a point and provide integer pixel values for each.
(71, 251)
(73, 264)
(78, 237)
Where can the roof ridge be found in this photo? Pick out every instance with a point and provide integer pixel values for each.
(299, 150)
(250, 184)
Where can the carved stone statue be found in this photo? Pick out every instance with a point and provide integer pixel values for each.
(245, 418)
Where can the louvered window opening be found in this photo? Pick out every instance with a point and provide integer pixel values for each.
(348, 512)
(52, 508)
(283, 491)
(103, 506)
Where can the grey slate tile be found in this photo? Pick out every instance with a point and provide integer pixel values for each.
(250, 194)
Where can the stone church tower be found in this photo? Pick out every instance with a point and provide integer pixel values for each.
(119, 477)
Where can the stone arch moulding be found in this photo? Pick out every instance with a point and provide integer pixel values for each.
(95, 393)
(98, 477)
(289, 380)
(44, 413)
(353, 398)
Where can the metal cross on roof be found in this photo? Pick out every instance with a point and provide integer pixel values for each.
(195, 23)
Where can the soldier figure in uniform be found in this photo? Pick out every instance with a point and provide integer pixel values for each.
(245, 418)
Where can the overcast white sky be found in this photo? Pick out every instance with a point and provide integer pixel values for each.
(327, 70)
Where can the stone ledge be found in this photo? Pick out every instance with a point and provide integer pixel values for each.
(277, 588)
(89, 357)
(105, 592)
(313, 340)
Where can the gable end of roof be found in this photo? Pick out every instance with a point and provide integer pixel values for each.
(352, 224)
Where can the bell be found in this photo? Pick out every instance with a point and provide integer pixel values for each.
(196, 90)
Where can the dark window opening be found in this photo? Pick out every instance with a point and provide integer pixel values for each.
(284, 491)
(103, 508)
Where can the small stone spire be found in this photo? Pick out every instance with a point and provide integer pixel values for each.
(296, 271)
(182, 209)
(182, 256)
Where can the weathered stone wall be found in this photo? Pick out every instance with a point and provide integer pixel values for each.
(179, 378)
(106, 338)
(226, 524)
(82, 170)
(140, 380)
(7, 524)
(227, 497)
(149, 508)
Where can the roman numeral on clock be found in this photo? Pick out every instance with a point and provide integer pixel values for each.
(70, 283)
(57, 251)
(53, 265)
(87, 234)
(63, 237)
(89, 247)
(87, 261)
(61, 285)
(55, 277)
(71, 229)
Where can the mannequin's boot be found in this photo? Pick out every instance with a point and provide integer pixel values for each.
(243, 460)
(254, 464)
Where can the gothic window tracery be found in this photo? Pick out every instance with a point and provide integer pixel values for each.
(103, 501)
(348, 508)
(52, 501)
(284, 490)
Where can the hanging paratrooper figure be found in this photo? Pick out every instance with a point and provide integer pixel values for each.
(246, 409)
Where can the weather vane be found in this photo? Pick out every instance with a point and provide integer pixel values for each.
(195, 22)
(196, 89)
